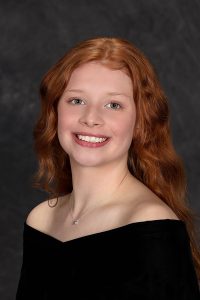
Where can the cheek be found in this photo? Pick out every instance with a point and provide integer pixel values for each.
(64, 127)
(65, 119)
(124, 127)
(62, 122)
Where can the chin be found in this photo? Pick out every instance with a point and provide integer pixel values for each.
(87, 162)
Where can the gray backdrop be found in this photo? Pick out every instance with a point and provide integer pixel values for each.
(34, 34)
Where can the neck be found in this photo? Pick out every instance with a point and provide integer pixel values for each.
(97, 186)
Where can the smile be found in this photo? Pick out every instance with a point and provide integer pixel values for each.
(91, 139)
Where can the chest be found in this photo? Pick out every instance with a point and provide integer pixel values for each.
(104, 219)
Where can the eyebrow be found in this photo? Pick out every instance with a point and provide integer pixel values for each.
(109, 93)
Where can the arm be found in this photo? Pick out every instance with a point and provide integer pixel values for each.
(31, 279)
(171, 270)
(165, 269)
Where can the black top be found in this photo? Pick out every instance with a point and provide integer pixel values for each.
(143, 260)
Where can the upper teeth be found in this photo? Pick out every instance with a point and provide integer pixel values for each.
(91, 138)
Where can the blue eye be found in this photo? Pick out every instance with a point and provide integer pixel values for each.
(115, 105)
(75, 101)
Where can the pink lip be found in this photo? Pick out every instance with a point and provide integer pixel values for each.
(89, 144)
(91, 134)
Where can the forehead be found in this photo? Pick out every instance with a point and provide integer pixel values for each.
(98, 75)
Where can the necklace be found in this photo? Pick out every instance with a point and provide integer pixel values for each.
(76, 221)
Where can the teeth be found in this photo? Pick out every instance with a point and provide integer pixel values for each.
(91, 139)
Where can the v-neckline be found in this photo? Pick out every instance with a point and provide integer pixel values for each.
(136, 225)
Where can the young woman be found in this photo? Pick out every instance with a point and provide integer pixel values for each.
(117, 224)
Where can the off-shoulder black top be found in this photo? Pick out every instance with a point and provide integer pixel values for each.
(148, 260)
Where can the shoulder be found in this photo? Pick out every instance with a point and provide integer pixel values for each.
(153, 209)
(41, 216)
(146, 205)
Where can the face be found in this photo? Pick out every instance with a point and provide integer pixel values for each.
(96, 115)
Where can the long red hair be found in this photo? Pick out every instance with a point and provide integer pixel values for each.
(151, 158)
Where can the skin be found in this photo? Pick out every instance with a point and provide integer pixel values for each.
(99, 175)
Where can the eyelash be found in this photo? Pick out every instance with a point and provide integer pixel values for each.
(112, 102)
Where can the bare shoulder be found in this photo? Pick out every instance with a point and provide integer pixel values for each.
(148, 206)
(41, 216)
(152, 209)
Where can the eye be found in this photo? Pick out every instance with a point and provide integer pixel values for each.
(114, 105)
(75, 101)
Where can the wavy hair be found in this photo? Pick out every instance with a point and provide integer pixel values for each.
(152, 158)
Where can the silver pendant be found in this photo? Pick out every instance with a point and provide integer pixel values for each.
(75, 222)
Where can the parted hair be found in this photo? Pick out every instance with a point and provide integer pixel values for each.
(152, 158)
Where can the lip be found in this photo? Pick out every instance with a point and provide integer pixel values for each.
(89, 144)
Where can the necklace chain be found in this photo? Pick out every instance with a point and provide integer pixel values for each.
(76, 221)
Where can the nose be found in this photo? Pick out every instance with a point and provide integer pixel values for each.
(91, 118)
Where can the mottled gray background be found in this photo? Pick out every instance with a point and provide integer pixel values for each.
(34, 34)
